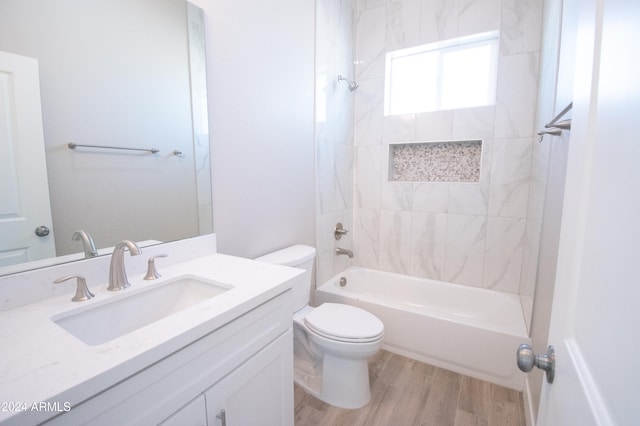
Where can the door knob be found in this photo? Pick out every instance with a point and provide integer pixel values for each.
(42, 231)
(527, 359)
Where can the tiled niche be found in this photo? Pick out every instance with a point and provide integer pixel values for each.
(441, 161)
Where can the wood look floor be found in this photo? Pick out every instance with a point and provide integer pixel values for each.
(405, 392)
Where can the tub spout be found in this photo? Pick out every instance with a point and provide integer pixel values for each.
(340, 251)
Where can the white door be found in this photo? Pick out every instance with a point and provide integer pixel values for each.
(595, 320)
(24, 190)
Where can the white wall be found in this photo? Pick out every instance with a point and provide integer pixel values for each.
(260, 86)
(260, 58)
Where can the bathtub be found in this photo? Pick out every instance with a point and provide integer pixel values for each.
(471, 331)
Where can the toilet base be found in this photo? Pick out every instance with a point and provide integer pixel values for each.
(339, 382)
(345, 382)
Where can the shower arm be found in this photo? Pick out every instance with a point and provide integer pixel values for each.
(352, 84)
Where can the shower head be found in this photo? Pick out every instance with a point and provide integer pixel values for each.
(352, 84)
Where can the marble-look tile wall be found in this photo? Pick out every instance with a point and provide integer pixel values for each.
(467, 233)
(335, 50)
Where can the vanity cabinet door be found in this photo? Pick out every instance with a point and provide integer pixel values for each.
(192, 414)
(259, 392)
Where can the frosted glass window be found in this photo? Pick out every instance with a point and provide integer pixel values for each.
(459, 73)
(414, 74)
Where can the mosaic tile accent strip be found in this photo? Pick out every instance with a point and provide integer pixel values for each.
(455, 161)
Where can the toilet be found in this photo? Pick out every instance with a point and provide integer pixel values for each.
(332, 342)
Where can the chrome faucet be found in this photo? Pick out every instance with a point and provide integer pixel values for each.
(87, 243)
(340, 251)
(117, 273)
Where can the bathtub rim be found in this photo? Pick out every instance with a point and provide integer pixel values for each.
(520, 330)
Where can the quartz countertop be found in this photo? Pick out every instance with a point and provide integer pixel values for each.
(41, 362)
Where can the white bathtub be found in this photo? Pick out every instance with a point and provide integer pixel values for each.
(468, 330)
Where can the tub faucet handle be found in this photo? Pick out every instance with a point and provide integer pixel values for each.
(82, 291)
(152, 272)
(339, 231)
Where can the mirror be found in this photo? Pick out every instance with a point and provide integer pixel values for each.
(124, 74)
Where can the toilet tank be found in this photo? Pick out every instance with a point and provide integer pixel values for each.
(298, 256)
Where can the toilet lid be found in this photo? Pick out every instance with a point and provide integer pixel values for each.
(344, 322)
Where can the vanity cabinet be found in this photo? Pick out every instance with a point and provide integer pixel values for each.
(244, 368)
(254, 394)
(192, 414)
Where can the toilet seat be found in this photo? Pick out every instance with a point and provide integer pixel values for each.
(344, 323)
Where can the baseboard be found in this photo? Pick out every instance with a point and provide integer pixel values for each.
(529, 415)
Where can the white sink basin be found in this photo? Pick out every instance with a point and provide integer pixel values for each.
(99, 324)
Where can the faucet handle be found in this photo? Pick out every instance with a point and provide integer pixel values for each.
(82, 291)
(339, 231)
(152, 272)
